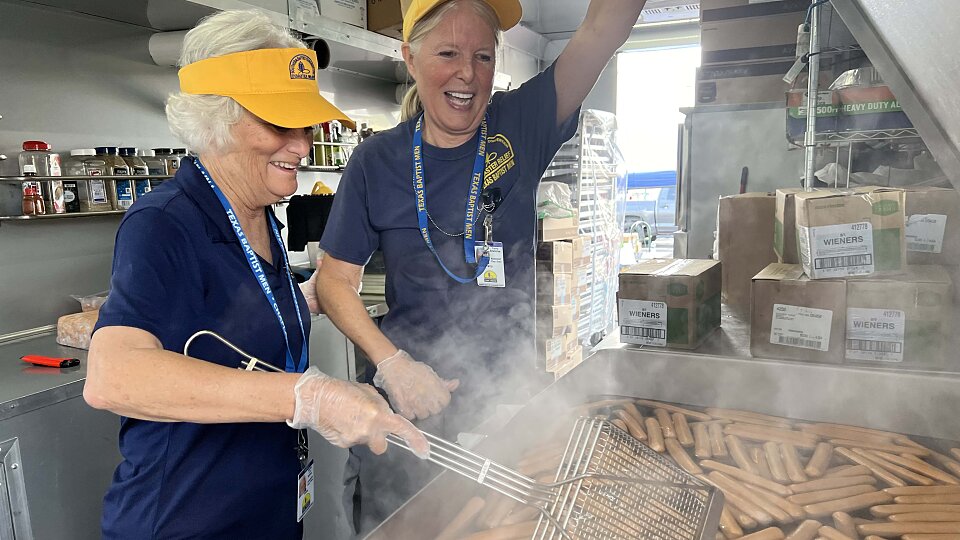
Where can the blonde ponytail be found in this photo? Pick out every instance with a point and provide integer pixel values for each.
(411, 106)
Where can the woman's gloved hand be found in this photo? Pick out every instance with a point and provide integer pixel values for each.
(309, 289)
(415, 390)
(347, 413)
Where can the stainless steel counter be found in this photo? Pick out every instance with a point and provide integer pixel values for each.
(24, 387)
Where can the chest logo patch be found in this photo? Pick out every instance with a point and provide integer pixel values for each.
(500, 159)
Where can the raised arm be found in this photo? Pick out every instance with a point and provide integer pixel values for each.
(605, 28)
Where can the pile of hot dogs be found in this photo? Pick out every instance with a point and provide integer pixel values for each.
(781, 478)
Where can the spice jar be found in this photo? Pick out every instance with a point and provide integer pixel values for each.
(32, 204)
(38, 154)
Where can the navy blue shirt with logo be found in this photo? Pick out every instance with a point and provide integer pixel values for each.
(478, 334)
(179, 268)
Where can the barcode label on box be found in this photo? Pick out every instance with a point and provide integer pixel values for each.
(834, 251)
(925, 232)
(643, 323)
(875, 335)
(801, 327)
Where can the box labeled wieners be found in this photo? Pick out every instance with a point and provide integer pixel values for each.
(856, 232)
(669, 303)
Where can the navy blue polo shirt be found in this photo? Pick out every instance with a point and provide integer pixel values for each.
(179, 268)
(478, 334)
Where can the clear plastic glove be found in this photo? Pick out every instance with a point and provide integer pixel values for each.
(346, 414)
(309, 289)
(415, 390)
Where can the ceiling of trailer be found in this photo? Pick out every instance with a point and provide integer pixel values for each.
(557, 19)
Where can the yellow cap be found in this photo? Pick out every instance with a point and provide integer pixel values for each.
(508, 12)
(277, 85)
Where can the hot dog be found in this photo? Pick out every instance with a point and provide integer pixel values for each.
(844, 523)
(893, 448)
(849, 504)
(717, 446)
(918, 527)
(728, 524)
(891, 509)
(806, 531)
(819, 461)
(773, 533)
(682, 457)
(792, 462)
(830, 533)
(812, 497)
(666, 423)
(683, 430)
(923, 490)
(634, 427)
(923, 537)
(654, 434)
(777, 468)
(739, 454)
(750, 417)
(955, 452)
(759, 457)
(836, 432)
(832, 483)
(952, 498)
(701, 441)
(846, 470)
(925, 516)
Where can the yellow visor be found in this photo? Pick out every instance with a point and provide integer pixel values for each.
(277, 85)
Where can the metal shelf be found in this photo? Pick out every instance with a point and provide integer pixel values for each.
(846, 137)
(103, 177)
(63, 216)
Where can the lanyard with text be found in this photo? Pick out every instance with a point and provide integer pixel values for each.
(419, 188)
(261, 276)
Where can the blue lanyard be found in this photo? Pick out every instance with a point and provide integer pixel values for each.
(258, 272)
(419, 188)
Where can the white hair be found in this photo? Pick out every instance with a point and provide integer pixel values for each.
(205, 122)
(412, 105)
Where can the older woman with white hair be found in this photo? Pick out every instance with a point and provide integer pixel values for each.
(209, 450)
(449, 196)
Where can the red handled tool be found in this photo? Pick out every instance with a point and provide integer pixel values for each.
(50, 361)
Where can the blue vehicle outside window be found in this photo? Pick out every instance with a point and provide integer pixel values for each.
(652, 198)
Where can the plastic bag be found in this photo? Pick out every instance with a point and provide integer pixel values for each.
(554, 200)
(76, 329)
(91, 302)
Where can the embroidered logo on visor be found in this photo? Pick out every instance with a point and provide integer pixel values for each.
(301, 67)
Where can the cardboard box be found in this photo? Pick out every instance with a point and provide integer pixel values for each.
(550, 353)
(571, 339)
(554, 321)
(745, 242)
(556, 257)
(933, 226)
(752, 33)
(551, 229)
(903, 321)
(582, 250)
(348, 11)
(570, 360)
(785, 227)
(580, 280)
(669, 303)
(795, 318)
(554, 289)
(386, 17)
(857, 232)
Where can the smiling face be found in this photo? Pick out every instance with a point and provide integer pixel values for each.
(454, 66)
(261, 164)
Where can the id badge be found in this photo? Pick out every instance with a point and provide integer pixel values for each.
(305, 491)
(494, 275)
